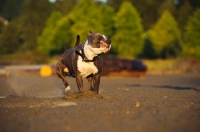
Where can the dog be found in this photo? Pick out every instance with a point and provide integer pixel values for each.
(84, 61)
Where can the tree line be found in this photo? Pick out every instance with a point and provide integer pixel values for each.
(145, 29)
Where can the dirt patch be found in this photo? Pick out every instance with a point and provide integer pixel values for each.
(85, 94)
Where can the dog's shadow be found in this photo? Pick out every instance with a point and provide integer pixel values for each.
(166, 86)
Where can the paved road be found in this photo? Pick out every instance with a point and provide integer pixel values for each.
(153, 103)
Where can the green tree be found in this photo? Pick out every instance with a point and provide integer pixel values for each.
(192, 46)
(148, 10)
(10, 9)
(183, 15)
(106, 19)
(165, 36)
(10, 39)
(83, 17)
(62, 37)
(32, 21)
(115, 4)
(167, 5)
(45, 41)
(128, 38)
(64, 6)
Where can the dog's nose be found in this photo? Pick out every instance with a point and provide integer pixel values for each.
(105, 46)
(102, 44)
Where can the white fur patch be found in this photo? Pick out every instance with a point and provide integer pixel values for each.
(66, 69)
(104, 37)
(110, 47)
(67, 89)
(86, 68)
(92, 52)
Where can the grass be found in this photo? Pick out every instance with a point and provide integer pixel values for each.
(173, 66)
(160, 65)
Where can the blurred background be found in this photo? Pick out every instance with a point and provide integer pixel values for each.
(164, 34)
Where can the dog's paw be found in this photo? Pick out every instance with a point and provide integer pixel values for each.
(67, 89)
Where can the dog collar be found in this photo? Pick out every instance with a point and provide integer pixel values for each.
(82, 54)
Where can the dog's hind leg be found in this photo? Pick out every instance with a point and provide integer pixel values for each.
(60, 71)
(63, 77)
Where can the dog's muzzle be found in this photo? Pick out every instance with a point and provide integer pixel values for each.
(105, 46)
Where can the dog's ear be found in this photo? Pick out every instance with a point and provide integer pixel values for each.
(90, 32)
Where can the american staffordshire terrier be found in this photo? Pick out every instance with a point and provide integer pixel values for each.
(84, 61)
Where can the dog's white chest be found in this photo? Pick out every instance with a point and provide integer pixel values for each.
(86, 68)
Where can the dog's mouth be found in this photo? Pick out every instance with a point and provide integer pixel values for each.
(105, 46)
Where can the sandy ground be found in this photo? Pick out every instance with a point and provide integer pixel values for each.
(167, 103)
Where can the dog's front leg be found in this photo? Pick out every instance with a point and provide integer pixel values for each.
(96, 80)
(79, 82)
(90, 83)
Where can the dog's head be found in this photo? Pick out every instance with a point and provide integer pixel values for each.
(98, 43)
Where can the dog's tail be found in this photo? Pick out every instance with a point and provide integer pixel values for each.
(77, 40)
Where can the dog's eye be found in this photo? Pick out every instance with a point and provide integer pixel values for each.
(99, 43)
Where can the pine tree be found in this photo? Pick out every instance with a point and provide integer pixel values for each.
(128, 38)
(106, 19)
(45, 41)
(165, 36)
(193, 34)
(62, 35)
(85, 16)
(10, 39)
(183, 15)
(32, 21)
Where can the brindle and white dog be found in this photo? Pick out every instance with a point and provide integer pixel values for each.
(84, 60)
